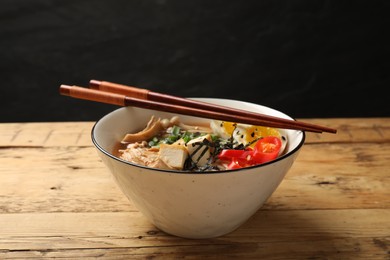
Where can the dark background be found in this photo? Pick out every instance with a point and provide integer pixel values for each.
(306, 58)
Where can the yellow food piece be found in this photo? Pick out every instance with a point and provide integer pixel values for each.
(255, 132)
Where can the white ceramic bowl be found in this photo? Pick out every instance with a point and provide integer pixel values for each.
(192, 205)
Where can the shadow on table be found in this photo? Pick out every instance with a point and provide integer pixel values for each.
(271, 234)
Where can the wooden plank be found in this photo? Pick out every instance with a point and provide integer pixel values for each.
(336, 176)
(78, 133)
(57, 179)
(46, 134)
(351, 248)
(314, 234)
(352, 130)
(73, 179)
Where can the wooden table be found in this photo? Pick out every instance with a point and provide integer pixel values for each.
(57, 199)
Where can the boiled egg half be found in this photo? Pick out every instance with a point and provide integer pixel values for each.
(246, 134)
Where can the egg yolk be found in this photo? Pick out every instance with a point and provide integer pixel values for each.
(228, 127)
(255, 132)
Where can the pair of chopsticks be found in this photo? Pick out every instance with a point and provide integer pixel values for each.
(122, 95)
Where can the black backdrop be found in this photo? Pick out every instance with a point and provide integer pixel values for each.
(306, 58)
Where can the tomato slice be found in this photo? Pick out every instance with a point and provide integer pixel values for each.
(266, 149)
(234, 164)
(237, 158)
(228, 154)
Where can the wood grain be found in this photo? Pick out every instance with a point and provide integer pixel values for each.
(73, 177)
(307, 233)
(79, 133)
(57, 199)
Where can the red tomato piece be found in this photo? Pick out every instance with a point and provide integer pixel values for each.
(266, 149)
(234, 164)
(227, 154)
(237, 158)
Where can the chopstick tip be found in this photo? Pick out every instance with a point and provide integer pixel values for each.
(94, 83)
(65, 90)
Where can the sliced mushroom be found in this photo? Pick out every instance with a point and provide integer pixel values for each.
(153, 127)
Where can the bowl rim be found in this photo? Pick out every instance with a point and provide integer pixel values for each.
(109, 154)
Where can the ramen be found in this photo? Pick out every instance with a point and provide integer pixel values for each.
(170, 144)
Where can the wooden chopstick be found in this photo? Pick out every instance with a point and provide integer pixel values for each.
(122, 100)
(145, 94)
